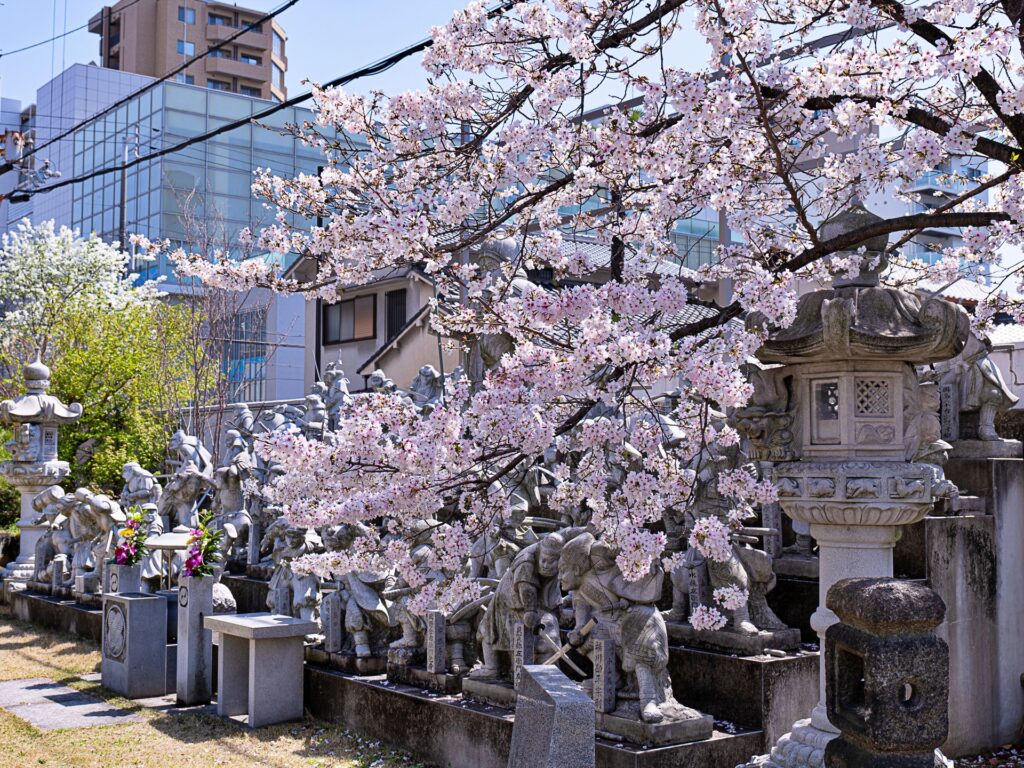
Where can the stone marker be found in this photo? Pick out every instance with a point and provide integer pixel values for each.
(887, 675)
(435, 641)
(331, 620)
(604, 674)
(134, 647)
(554, 724)
(523, 645)
(194, 679)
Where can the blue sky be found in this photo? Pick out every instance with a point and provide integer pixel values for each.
(326, 38)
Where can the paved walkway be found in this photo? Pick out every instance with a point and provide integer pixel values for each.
(48, 705)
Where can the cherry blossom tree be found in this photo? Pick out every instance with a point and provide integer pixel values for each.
(802, 109)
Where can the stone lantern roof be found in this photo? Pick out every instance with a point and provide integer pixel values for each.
(37, 407)
(858, 319)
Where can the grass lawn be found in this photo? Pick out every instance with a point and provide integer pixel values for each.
(162, 740)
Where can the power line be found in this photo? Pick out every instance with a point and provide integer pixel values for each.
(372, 69)
(8, 166)
(58, 37)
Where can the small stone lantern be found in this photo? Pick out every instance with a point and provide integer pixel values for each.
(854, 434)
(888, 675)
(34, 418)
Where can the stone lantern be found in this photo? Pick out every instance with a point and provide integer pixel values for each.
(34, 418)
(861, 446)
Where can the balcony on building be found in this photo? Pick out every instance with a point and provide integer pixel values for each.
(941, 181)
(221, 66)
(216, 33)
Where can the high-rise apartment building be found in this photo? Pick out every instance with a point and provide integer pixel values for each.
(152, 37)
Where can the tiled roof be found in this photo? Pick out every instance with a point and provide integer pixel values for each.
(1006, 334)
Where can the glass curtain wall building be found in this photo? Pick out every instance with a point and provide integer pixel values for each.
(200, 198)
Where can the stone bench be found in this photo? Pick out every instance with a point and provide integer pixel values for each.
(260, 666)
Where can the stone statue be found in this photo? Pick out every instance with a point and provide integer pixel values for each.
(229, 502)
(527, 592)
(369, 618)
(294, 594)
(491, 554)
(56, 547)
(427, 388)
(625, 612)
(180, 500)
(337, 397)
(93, 524)
(187, 449)
(421, 551)
(141, 488)
(314, 419)
(982, 388)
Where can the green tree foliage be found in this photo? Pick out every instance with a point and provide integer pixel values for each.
(118, 349)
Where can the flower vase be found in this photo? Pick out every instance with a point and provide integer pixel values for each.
(125, 578)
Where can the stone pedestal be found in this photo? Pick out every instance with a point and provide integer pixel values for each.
(260, 666)
(974, 563)
(134, 647)
(124, 578)
(194, 684)
(845, 551)
(22, 569)
(733, 642)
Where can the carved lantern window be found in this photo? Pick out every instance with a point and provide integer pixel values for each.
(853, 412)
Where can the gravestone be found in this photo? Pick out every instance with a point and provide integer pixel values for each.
(331, 620)
(134, 645)
(604, 674)
(523, 647)
(435, 641)
(554, 724)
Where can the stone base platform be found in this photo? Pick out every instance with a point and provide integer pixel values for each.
(418, 677)
(763, 692)
(495, 693)
(620, 725)
(987, 449)
(60, 614)
(733, 642)
(799, 566)
(346, 661)
(449, 731)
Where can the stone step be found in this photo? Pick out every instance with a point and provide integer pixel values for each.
(449, 731)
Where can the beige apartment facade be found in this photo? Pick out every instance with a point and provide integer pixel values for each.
(152, 37)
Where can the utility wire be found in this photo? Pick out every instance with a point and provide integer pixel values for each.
(8, 166)
(58, 37)
(372, 69)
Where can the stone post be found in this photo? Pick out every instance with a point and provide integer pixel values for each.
(523, 645)
(435, 641)
(34, 418)
(554, 723)
(195, 642)
(888, 675)
(332, 620)
(604, 674)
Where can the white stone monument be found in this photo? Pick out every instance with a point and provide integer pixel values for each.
(34, 418)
